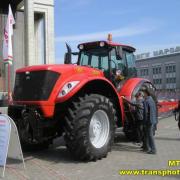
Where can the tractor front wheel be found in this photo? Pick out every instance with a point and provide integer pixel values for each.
(90, 127)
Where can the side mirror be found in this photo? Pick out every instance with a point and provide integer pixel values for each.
(67, 56)
(119, 53)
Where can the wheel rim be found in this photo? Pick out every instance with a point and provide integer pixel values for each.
(99, 129)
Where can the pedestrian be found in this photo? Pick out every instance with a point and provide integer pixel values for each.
(138, 115)
(177, 114)
(150, 121)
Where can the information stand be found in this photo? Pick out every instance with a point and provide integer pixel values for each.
(10, 146)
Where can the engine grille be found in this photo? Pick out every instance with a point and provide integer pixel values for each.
(34, 85)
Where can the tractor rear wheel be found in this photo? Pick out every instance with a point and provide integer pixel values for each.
(90, 127)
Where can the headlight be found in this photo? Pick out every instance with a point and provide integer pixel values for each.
(102, 44)
(81, 47)
(67, 88)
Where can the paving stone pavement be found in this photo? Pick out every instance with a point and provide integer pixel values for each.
(57, 164)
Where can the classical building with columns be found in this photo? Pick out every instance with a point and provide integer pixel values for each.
(33, 39)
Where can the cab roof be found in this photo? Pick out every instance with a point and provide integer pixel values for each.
(94, 44)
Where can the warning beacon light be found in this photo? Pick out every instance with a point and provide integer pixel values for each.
(109, 37)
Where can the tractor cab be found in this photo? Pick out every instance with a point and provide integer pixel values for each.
(117, 61)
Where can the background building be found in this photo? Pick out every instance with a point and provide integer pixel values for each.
(33, 39)
(162, 68)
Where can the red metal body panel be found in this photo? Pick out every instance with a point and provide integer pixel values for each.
(129, 86)
(75, 73)
(68, 73)
(127, 91)
(83, 80)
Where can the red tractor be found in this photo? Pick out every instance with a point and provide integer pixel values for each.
(82, 101)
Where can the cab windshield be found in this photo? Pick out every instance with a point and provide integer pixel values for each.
(96, 58)
(130, 58)
(106, 60)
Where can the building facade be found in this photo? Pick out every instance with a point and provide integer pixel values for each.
(33, 39)
(162, 69)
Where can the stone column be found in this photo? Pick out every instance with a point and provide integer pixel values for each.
(29, 32)
(46, 7)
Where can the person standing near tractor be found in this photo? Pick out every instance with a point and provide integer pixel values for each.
(138, 115)
(150, 121)
(177, 114)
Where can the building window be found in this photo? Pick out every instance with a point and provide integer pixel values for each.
(171, 80)
(167, 69)
(141, 72)
(159, 70)
(174, 68)
(170, 68)
(144, 72)
(156, 70)
(157, 81)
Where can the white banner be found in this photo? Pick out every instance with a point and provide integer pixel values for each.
(5, 130)
(7, 41)
(10, 146)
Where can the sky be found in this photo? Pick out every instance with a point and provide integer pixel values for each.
(145, 25)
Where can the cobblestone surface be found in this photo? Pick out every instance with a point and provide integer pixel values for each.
(57, 164)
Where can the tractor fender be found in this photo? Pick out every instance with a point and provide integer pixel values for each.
(130, 85)
(130, 88)
(87, 83)
(94, 85)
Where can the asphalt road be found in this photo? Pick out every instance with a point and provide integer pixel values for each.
(57, 164)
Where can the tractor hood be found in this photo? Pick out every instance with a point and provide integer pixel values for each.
(44, 82)
(67, 70)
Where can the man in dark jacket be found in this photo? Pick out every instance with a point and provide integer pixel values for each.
(138, 115)
(177, 114)
(150, 121)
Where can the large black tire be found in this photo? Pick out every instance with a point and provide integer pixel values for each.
(78, 127)
(26, 136)
(130, 134)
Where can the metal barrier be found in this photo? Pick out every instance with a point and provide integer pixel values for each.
(166, 108)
